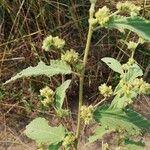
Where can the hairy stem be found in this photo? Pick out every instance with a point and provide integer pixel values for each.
(86, 52)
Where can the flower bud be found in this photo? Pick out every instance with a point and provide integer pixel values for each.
(128, 7)
(122, 82)
(123, 7)
(48, 96)
(47, 43)
(53, 41)
(87, 114)
(71, 57)
(141, 86)
(58, 43)
(127, 89)
(131, 61)
(68, 140)
(102, 16)
(144, 88)
(46, 101)
(125, 67)
(135, 10)
(105, 90)
(137, 83)
(132, 45)
(41, 146)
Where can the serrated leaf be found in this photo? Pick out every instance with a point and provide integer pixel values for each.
(113, 64)
(60, 93)
(55, 147)
(56, 67)
(99, 133)
(136, 24)
(129, 122)
(41, 132)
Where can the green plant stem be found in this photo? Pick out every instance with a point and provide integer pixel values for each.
(104, 99)
(86, 52)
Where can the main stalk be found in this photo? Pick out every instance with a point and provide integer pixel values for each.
(86, 52)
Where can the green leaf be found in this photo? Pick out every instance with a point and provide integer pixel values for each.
(123, 101)
(99, 133)
(133, 145)
(61, 93)
(41, 132)
(55, 147)
(133, 72)
(129, 122)
(136, 24)
(119, 102)
(56, 67)
(113, 64)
